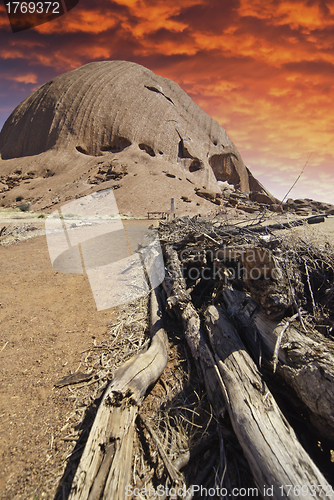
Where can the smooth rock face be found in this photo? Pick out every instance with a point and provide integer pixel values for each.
(116, 111)
(111, 105)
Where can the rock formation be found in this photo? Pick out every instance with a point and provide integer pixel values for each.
(118, 124)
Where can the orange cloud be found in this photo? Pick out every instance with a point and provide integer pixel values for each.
(296, 14)
(4, 23)
(263, 70)
(85, 21)
(26, 78)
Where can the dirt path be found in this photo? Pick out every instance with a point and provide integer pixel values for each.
(47, 320)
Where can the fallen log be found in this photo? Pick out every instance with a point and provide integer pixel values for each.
(305, 360)
(104, 470)
(313, 219)
(198, 232)
(179, 300)
(272, 450)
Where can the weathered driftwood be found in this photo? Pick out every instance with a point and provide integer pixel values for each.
(179, 300)
(270, 445)
(273, 452)
(105, 466)
(314, 219)
(199, 233)
(305, 359)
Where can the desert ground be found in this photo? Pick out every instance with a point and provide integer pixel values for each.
(49, 326)
(48, 319)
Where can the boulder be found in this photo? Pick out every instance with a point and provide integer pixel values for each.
(116, 110)
(204, 193)
(259, 197)
(324, 206)
(301, 202)
(110, 106)
(232, 202)
(239, 196)
(303, 212)
(224, 185)
(248, 208)
(185, 199)
(276, 207)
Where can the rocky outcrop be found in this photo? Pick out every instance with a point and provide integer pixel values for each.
(259, 202)
(260, 197)
(116, 111)
(306, 206)
(209, 195)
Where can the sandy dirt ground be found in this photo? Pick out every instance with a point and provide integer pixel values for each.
(47, 320)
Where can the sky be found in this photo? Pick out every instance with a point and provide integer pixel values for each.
(263, 69)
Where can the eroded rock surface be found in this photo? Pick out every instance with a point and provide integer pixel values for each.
(116, 120)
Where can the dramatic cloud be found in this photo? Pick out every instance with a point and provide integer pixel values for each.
(263, 70)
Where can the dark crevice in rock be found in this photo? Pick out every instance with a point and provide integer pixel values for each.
(154, 89)
(82, 150)
(195, 165)
(184, 154)
(48, 173)
(215, 142)
(224, 168)
(147, 149)
(183, 151)
(118, 144)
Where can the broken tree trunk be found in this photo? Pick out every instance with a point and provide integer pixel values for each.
(305, 360)
(104, 470)
(180, 301)
(231, 377)
(273, 452)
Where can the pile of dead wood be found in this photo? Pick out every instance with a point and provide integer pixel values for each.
(256, 304)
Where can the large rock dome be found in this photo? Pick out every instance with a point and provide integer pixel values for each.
(121, 112)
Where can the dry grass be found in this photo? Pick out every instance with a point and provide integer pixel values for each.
(176, 428)
(178, 435)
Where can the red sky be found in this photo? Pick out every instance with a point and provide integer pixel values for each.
(263, 70)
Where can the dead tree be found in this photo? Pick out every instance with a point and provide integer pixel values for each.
(273, 452)
(304, 359)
